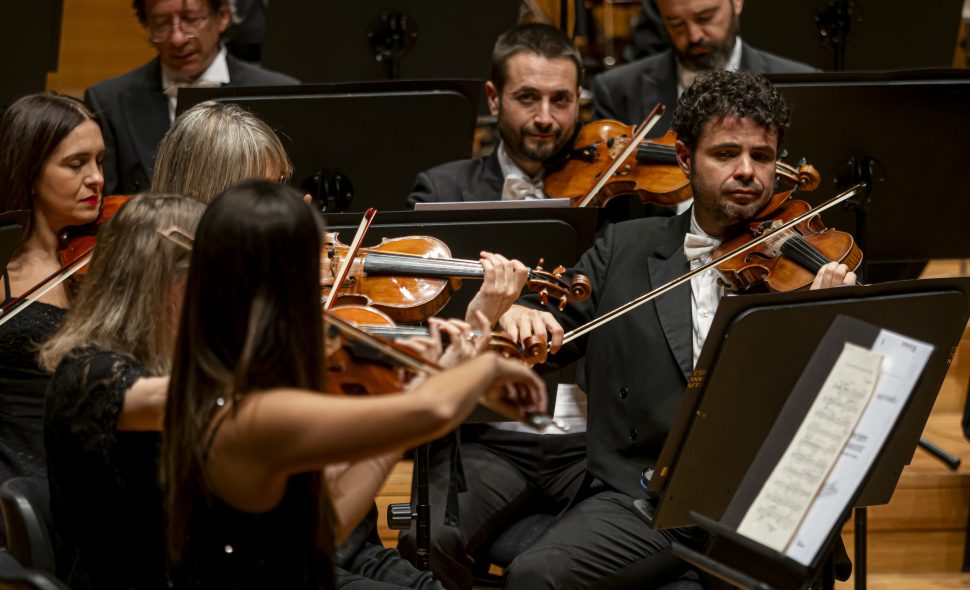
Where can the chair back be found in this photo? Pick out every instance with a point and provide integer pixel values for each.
(14, 576)
(25, 502)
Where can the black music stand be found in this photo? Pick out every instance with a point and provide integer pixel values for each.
(727, 414)
(360, 145)
(559, 235)
(35, 47)
(903, 134)
(855, 34)
(12, 224)
(384, 39)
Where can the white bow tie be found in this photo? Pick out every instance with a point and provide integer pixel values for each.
(517, 188)
(699, 247)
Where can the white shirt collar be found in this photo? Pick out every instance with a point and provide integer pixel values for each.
(686, 77)
(217, 73)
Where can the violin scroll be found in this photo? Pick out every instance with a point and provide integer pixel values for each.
(551, 284)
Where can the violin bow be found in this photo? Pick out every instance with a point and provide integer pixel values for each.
(649, 296)
(44, 287)
(347, 263)
(631, 147)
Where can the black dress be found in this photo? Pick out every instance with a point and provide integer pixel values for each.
(105, 497)
(22, 387)
(274, 550)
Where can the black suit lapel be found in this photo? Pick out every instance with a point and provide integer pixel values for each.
(146, 115)
(488, 180)
(751, 59)
(673, 308)
(237, 75)
(661, 83)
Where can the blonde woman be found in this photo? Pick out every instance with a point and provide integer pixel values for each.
(215, 145)
(107, 395)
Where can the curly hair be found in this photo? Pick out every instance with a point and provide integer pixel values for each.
(720, 94)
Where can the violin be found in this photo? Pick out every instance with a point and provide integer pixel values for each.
(650, 172)
(376, 322)
(790, 259)
(75, 245)
(77, 240)
(362, 363)
(412, 278)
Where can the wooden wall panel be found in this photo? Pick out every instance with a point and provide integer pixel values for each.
(99, 39)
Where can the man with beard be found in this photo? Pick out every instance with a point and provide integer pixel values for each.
(509, 471)
(729, 126)
(534, 93)
(704, 35)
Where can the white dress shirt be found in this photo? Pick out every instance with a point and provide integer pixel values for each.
(705, 290)
(215, 75)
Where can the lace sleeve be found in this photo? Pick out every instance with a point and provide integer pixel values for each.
(85, 397)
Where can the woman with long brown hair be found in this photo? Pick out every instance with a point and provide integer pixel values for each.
(106, 399)
(247, 431)
(50, 165)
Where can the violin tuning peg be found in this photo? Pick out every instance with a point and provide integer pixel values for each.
(562, 303)
(544, 296)
(541, 262)
(558, 270)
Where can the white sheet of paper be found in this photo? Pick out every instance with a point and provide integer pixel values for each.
(774, 516)
(903, 362)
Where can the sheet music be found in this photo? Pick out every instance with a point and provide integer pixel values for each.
(903, 362)
(776, 512)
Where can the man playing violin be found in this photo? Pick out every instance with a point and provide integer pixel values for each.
(729, 126)
(534, 93)
(509, 472)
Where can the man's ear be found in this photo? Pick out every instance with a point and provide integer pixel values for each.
(223, 17)
(494, 98)
(683, 157)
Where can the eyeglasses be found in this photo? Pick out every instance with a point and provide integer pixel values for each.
(189, 25)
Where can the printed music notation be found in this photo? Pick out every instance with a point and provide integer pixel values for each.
(774, 516)
(903, 362)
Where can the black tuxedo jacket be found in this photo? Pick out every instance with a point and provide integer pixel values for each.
(134, 117)
(629, 92)
(637, 366)
(480, 179)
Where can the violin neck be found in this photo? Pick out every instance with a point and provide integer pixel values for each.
(806, 255)
(382, 264)
(656, 153)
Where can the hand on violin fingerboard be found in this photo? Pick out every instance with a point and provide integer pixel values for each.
(521, 323)
(462, 345)
(502, 285)
(833, 274)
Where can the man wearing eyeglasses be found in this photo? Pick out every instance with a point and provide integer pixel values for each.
(138, 107)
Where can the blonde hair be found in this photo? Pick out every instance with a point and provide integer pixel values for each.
(125, 303)
(213, 146)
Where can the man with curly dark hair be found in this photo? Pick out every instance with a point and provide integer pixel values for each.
(729, 125)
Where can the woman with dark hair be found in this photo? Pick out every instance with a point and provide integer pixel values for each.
(50, 165)
(106, 399)
(247, 432)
